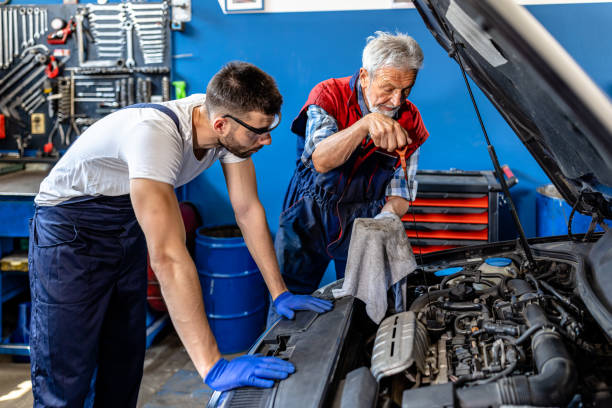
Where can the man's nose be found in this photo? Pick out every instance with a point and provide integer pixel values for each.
(396, 98)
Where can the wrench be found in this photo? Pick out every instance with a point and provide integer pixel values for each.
(152, 42)
(107, 34)
(103, 17)
(39, 102)
(23, 83)
(9, 14)
(129, 61)
(33, 101)
(16, 73)
(151, 37)
(1, 42)
(106, 26)
(5, 61)
(27, 101)
(96, 94)
(16, 70)
(132, 6)
(110, 49)
(141, 27)
(143, 33)
(157, 20)
(45, 21)
(37, 23)
(147, 13)
(31, 26)
(109, 41)
(24, 43)
(16, 34)
(109, 54)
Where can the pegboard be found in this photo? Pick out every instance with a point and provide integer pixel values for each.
(64, 66)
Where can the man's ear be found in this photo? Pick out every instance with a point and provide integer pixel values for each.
(364, 78)
(220, 125)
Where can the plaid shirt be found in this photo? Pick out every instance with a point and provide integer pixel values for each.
(320, 125)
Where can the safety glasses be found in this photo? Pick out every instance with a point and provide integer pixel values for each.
(259, 131)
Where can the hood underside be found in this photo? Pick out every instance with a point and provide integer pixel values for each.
(556, 110)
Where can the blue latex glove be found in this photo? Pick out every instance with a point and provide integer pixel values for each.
(244, 371)
(287, 302)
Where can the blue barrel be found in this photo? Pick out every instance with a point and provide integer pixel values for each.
(235, 295)
(553, 212)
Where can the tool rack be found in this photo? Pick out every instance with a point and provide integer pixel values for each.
(62, 67)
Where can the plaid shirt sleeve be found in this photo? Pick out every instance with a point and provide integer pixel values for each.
(398, 186)
(320, 125)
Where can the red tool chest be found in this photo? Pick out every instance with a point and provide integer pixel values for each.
(454, 208)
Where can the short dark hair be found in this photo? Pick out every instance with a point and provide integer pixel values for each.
(240, 87)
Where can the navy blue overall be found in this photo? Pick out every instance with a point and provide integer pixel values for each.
(318, 213)
(88, 282)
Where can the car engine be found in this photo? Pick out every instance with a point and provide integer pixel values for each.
(493, 333)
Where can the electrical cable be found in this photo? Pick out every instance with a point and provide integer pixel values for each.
(411, 209)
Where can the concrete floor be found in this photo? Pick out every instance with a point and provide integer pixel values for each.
(169, 380)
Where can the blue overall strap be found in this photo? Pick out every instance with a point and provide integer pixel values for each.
(161, 108)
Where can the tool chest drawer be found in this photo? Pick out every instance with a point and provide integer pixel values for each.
(452, 209)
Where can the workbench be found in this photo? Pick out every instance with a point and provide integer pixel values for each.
(17, 191)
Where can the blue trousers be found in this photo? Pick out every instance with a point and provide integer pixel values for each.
(88, 283)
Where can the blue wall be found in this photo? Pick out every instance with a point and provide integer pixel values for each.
(301, 49)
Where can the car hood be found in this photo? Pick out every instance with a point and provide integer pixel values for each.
(555, 109)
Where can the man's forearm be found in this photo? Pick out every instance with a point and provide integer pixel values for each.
(336, 149)
(182, 293)
(256, 232)
(397, 205)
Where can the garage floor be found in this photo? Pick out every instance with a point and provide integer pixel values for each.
(170, 379)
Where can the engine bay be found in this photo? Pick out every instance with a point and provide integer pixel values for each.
(490, 333)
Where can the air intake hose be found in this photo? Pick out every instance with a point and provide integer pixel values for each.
(552, 386)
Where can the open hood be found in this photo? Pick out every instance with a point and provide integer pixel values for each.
(556, 110)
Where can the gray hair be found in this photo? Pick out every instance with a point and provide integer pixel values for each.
(384, 49)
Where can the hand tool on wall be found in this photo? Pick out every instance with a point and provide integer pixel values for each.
(52, 69)
(150, 21)
(9, 17)
(5, 46)
(130, 91)
(1, 41)
(165, 88)
(61, 36)
(36, 23)
(129, 60)
(80, 32)
(17, 72)
(30, 13)
(24, 35)
(15, 34)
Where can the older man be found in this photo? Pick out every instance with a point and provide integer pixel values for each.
(107, 201)
(347, 167)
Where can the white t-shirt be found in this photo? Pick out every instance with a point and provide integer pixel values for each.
(130, 143)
